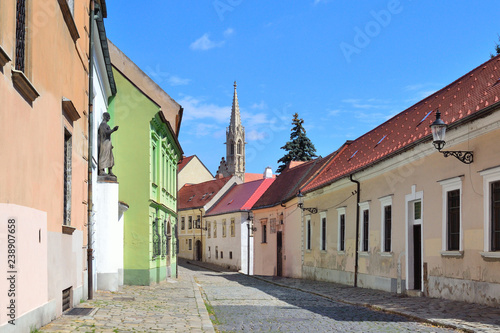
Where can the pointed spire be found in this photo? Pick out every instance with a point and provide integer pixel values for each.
(235, 111)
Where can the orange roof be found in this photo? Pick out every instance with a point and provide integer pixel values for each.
(197, 195)
(459, 101)
(184, 162)
(250, 177)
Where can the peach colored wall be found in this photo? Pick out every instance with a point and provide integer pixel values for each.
(30, 241)
(194, 173)
(32, 134)
(467, 276)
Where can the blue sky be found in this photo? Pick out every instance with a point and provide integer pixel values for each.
(344, 67)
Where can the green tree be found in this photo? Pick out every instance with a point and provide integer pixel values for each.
(497, 49)
(299, 148)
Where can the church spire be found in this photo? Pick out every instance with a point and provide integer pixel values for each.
(235, 141)
(235, 111)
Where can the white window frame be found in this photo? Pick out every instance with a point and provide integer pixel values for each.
(449, 185)
(340, 212)
(362, 207)
(323, 234)
(384, 202)
(489, 176)
(308, 228)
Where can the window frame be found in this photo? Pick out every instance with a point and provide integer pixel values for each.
(364, 236)
(323, 231)
(308, 233)
(490, 176)
(385, 202)
(224, 225)
(341, 211)
(233, 227)
(263, 224)
(447, 186)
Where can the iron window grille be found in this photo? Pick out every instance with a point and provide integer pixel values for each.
(20, 35)
(156, 239)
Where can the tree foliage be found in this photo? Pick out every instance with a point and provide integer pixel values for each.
(299, 148)
(497, 49)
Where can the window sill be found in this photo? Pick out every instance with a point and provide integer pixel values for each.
(67, 230)
(490, 255)
(24, 86)
(323, 251)
(342, 253)
(363, 253)
(4, 57)
(68, 18)
(386, 254)
(453, 254)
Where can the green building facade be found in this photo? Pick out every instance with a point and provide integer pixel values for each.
(146, 153)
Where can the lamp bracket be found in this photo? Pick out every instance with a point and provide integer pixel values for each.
(463, 156)
(310, 210)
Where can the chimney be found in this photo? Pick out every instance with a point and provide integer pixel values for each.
(268, 173)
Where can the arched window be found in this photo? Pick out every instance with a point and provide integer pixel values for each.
(232, 147)
(239, 147)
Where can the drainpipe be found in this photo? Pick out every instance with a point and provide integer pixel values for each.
(356, 257)
(90, 156)
(201, 232)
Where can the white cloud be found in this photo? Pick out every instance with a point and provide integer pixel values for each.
(205, 43)
(177, 81)
(255, 135)
(195, 108)
(260, 106)
(228, 32)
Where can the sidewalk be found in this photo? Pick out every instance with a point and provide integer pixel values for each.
(465, 316)
(175, 305)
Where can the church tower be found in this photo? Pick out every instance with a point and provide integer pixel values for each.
(235, 141)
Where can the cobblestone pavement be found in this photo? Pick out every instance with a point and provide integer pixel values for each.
(244, 304)
(171, 306)
(461, 315)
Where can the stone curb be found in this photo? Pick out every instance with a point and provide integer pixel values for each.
(202, 310)
(367, 305)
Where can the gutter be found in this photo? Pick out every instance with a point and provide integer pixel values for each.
(356, 256)
(90, 251)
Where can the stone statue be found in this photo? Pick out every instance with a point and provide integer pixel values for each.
(106, 159)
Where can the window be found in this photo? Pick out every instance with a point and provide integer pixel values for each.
(198, 222)
(230, 254)
(322, 243)
(365, 225)
(264, 233)
(209, 229)
(452, 238)
(190, 247)
(21, 35)
(222, 254)
(215, 229)
(239, 147)
(341, 231)
(386, 223)
(183, 223)
(156, 238)
(67, 177)
(232, 228)
(164, 170)
(190, 222)
(153, 164)
(223, 229)
(495, 216)
(308, 233)
(417, 205)
(232, 147)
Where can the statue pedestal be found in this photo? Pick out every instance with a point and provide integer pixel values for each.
(108, 236)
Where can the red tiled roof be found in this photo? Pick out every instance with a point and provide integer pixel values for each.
(197, 195)
(184, 162)
(241, 197)
(466, 96)
(250, 177)
(287, 183)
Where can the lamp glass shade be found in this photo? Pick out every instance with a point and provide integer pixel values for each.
(438, 131)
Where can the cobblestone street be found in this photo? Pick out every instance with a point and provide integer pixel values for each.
(245, 304)
(238, 303)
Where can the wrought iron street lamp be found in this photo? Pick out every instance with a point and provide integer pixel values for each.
(438, 129)
(301, 204)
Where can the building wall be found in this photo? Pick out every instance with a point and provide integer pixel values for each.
(266, 254)
(32, 172)
(186, 234)
(469, 274)
(147, 199)
(194, 173)
(228, 244)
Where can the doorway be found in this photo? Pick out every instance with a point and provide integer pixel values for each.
(198, 250)
(279, 252)
(415, 246)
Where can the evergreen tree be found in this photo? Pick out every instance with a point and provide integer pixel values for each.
(497, 49)
(299, 148)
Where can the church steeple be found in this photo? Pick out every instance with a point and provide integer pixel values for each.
(235, 141)
(235, 111)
